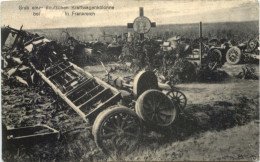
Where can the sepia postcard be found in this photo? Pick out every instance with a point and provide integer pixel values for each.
(133, 80)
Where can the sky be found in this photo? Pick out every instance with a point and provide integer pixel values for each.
(125, 11)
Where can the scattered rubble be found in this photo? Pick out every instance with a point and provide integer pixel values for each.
(37, 102)
(248, 72)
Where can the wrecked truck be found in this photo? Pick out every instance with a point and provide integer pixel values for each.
(117, 110)
(246, 52)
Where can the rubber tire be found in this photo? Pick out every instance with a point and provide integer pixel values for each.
(239, 55)
(103, 116)
(140, 109)
(143, 81)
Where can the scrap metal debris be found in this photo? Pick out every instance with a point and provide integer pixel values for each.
(248, 72)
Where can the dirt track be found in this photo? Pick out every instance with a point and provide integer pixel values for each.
(229, 90)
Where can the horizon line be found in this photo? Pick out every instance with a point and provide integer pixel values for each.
(126, 25)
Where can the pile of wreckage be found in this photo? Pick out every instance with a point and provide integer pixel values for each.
(225, 50)
(117, 116)
(118, 108)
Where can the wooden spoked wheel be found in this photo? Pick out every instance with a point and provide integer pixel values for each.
(143, 81)
(252, 44)
(154, 107)
(178, 97)
(233, 55)
(117, 130)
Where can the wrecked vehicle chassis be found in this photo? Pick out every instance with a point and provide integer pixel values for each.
(117, 124)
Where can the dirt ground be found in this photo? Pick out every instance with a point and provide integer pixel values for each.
(221, 122)
(202, 93)
(215, 106)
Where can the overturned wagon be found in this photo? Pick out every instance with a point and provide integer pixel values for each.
(116, 123)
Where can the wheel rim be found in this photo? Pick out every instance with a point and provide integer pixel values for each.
(158, 112)
(178, 97)
(233, 55)
(119, 133)
(156, 108)
(252, 44)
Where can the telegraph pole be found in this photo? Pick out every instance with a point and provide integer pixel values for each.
(201, 39)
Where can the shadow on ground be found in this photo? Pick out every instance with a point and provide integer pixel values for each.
(197, 118)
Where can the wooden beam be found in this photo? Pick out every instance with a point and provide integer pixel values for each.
(72, 80)
(141, 11)
(94, 98)
(130, 25)
(58, 92)
(51, 68)
(59, 72)
(99, 81)
(153, 24)
(111, 101)
(79, 86)
(87, 93)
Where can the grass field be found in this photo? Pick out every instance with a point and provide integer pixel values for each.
(238, 143)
